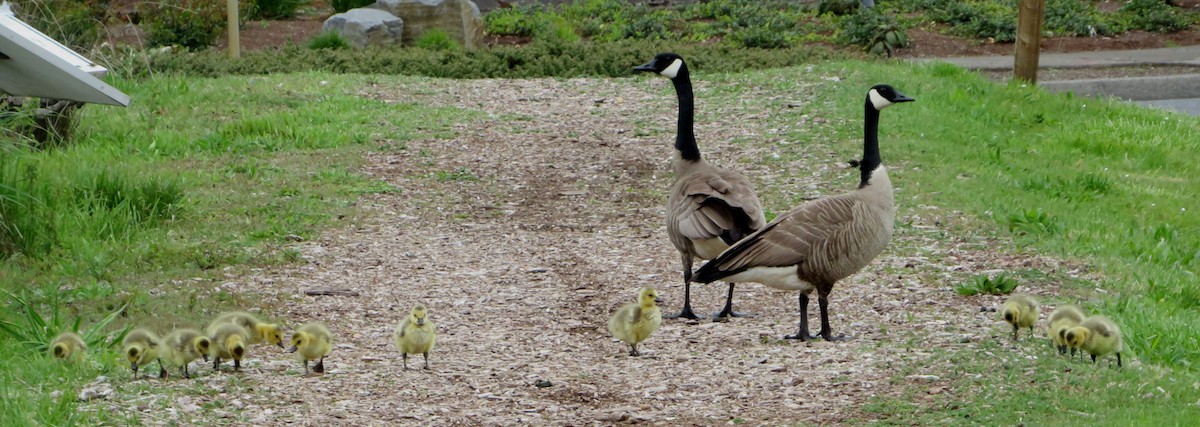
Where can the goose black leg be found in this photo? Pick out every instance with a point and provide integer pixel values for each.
(162, 371)
(237, 365)
(687, 312)
(426, 354)
(633, 350)
(826, 331)
(404, 356)
(802, 334)
(727, 312)
(320, 366)
(1118, 360)
(217, 363)
(185, 372)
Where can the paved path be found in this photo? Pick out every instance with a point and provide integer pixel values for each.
(1185, 55)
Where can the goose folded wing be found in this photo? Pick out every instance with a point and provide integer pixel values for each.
(793, 237)
(710, 212)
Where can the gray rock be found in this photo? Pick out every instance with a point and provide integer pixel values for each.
(367, 27)
(459, 18)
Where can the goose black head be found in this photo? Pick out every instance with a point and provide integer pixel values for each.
(883, 96)
(667, 64)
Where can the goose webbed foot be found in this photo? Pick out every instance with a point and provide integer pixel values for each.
(687, 313)
(801, 335)
(634, 351)
(829, 336)
(320, 366)
(724, 315)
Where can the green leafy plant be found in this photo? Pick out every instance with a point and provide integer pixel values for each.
(35, 332)
(1155, 15)
(329, 40)
(437, 39)
(276, 9)
(192, 24)
(77, 24)
(557, 30)
(1032, 221)
(999, 284)
(340, 6)
(875, 31)
(521, 20)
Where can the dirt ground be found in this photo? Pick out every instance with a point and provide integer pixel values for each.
(555, 220)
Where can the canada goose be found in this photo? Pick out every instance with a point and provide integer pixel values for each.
(67, 345)
(1098, 336)
(824, 240)
(183, 346)
(1021, 311)
(141, 347)
(708, 208)
(260, 331)
(415, 335)
(634, 322)
(312, 342)
(1061, 319)
(228, 341)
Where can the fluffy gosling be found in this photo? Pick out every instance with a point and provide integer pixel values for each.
(1061, 319)
(634, 322)
(312, 342)
(228, 341)
(1022, 312)
(260, 331)
(1098, 336)
(183, 346)
(415, 335)
(140, 348)
(67, 345)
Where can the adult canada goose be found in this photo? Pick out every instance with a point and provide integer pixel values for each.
(824, 240)
(708, 208)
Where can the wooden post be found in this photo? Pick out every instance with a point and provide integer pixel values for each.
(231, 26)
(1029, 39)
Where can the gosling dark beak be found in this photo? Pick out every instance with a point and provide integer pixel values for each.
(658, 300)
(293, 349)
(281, 344)
(134, 367)
(421, 322)
(900, 97)
(647, 67)
(205, 356)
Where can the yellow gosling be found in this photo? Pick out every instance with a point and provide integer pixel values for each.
(183, 346)
(634, 322)
(228, 341)
(312, 342)
(415, 334)
(1098, 336)
(1061, 319)
(67, 345)
(260, 331)
(140, 348)
(1022, 312)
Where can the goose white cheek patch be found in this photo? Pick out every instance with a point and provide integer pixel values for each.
(878, 100)
(673, 70)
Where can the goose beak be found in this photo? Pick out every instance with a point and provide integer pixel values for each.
(293, 349)
(647, 67)
(205, 356)
(281, 344)
(900, 97)
(658, 300)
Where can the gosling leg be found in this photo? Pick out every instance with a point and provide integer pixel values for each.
(320, 366)
(404, 356)
(426, 354)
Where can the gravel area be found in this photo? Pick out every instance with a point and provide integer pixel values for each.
(524, 231)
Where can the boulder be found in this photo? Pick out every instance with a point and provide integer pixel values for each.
(367, 27)
(459, 18)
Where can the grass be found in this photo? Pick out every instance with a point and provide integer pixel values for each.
(1099, 181)
(153, 206)
(257, 161)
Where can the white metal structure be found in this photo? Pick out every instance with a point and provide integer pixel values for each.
(33, 64)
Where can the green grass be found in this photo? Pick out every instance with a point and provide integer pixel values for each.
(151, 207)
(1103, 182)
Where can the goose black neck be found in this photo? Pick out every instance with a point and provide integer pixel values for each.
(870, 159)
(685, 138)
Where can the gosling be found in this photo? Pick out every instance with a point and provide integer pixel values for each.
(183, 346)
(1098, 336)
(1061, 319)
(228, 341)
(67, 345)
(140, 348)
(1022, 312)
(260, 331)
(415, 334)
(312, 342)
(634, 322)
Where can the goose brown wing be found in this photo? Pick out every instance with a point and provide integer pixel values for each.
(718, 205)
(791, 239)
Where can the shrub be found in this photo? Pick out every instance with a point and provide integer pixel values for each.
(1155, 15)
(328, 40)
(557, 30)
(340, 6)
(276, 9)
(36, 332)
(761, 37)
(873, 30)
(436, 39)
(74, 23)
(193, 24)
(523, 20)
(982, 284)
